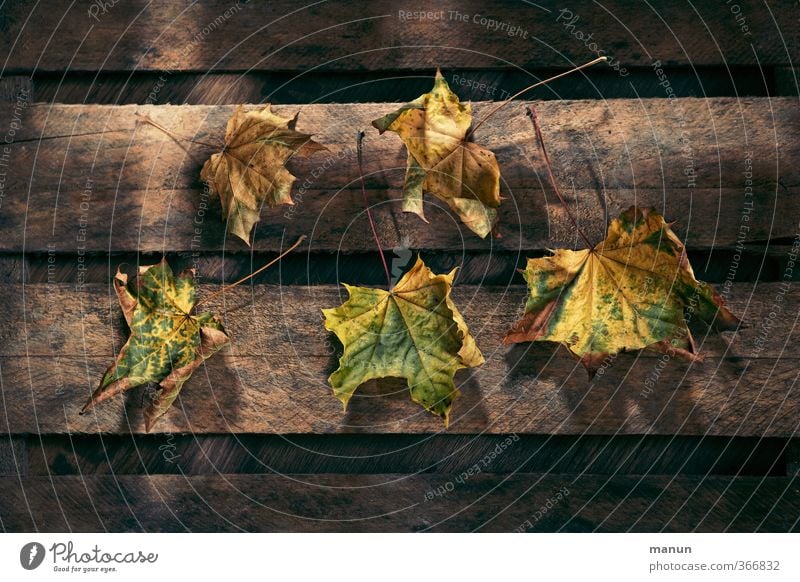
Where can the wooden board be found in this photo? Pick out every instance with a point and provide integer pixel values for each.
(395, 502)
(273, 377)
(135, 188)
(284, 36)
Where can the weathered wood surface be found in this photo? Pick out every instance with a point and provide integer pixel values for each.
(396, 502)
(282, 35)
(135, 188)
(272, 379)
(197, 454)
(284, 321)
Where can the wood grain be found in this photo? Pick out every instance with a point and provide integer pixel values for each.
(279, 321)
(395, 502)
(75, 188)
(339, 35)
(273, 376)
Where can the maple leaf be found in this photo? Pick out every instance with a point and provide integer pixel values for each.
(167, 343)
(634, 290)
(249, 171)
(442, 161)
(413, 331)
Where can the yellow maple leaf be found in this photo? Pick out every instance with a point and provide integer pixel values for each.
(167, 342)
(413, 331)
(634, 290)
(250, 171)
(441, 160)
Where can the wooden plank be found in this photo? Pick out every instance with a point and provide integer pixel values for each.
(539, 395)
(273, 377)
(228, 35)
(369, 454)
(394, 502)
(286, 321)
(135, 188)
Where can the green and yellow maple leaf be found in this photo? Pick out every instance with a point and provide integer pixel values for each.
(442, 161)
(413, 331)
(250, 170)
(167, 343)
(634, 290)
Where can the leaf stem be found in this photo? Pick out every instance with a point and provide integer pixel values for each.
(254, 273)
(359, 150)
(538, 130)
(526, 89)
(147, 119)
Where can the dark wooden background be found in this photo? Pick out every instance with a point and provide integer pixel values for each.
(257, 441)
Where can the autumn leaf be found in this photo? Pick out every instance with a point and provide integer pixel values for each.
(413, 331)
(167, 343)
(442, 161)
(249, 171)
(634, 290)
